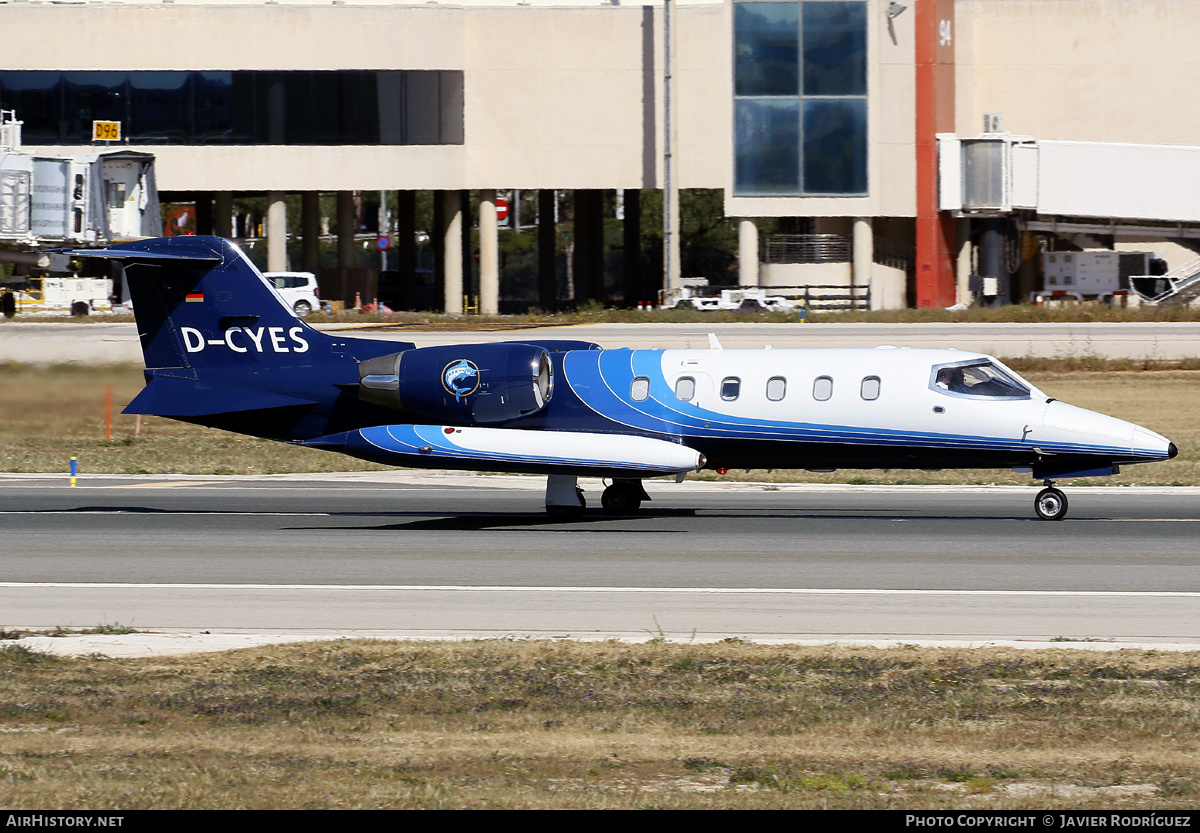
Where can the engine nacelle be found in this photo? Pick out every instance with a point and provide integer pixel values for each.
(472, 383)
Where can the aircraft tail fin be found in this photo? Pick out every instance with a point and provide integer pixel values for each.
(199, 302)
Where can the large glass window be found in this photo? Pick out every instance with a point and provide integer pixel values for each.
(343, 107)
(800, 97)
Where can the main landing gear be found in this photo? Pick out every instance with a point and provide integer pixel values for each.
(565, 500)
(1050, 503)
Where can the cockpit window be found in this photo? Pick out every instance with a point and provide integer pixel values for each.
(980, 378)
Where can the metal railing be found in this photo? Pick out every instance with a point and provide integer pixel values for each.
(805, 248)
(1179, 286)
(832, 248)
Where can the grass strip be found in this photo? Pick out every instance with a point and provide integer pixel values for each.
(538, 724)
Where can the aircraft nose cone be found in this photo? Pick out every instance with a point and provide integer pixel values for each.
(1172, 451)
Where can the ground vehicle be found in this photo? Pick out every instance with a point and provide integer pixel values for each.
(298, 290)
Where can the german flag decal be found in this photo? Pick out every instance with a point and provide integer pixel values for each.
(195, 297)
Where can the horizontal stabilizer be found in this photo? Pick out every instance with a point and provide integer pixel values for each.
(125, 255)
(168, 396)
(516, 451)
(190, 249)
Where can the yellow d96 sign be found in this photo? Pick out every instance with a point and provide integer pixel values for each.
(106, 131)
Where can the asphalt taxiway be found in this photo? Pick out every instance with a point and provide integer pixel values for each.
(441, 555)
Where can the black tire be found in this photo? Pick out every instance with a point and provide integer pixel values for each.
(621, 499)
(80, 309)
(8, 304)
(302, 308)
(1050, 505)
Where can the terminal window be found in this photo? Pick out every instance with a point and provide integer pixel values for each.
(800, 97)
(337, 107)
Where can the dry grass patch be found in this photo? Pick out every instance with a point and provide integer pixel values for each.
(558, 724)
(50, 414)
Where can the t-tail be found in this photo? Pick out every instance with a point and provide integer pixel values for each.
(222, 348)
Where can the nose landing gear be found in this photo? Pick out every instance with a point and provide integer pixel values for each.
(1050, 503)
(623, 497)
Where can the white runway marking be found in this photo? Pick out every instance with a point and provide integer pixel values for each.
(460, 588)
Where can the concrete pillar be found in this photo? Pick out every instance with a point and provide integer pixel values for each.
(747, 252)
(223, 214)
(310, 227)
(963, 263)
(489, 254)
(276, 231)
(547, 252)
(992, 260)
(452, 236)
(863, 254)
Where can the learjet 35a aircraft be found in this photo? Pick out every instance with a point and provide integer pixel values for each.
(223, 350)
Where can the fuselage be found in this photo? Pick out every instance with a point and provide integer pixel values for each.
(222, 349)
(840, 408)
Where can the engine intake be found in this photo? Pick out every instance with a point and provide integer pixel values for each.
(464, 384)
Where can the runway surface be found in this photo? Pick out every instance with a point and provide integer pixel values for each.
(107, 343)
(457, 555)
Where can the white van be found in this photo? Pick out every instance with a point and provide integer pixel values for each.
(299, 290)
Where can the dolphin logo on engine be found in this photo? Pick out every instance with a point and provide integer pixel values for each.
(461, 378)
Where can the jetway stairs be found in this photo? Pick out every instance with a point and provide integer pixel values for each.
(1179, 286)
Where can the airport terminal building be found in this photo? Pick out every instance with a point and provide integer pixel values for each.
(922, 150)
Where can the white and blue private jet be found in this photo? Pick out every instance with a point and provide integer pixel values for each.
(222, 349)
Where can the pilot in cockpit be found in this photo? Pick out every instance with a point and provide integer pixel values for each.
(951, 379)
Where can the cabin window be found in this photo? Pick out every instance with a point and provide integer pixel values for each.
(685, 388)
(983, 378)
(870, 388)
(640, 389)
(731, 386)
(822, 388)
(776, 388)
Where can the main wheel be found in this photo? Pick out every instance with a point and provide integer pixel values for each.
(1050, 505)
(621, 499)
(302, 308)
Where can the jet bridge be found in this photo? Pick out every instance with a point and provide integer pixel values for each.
(1096, 188)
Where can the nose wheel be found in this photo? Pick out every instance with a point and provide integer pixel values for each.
(1050, 503)
(623, 497)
